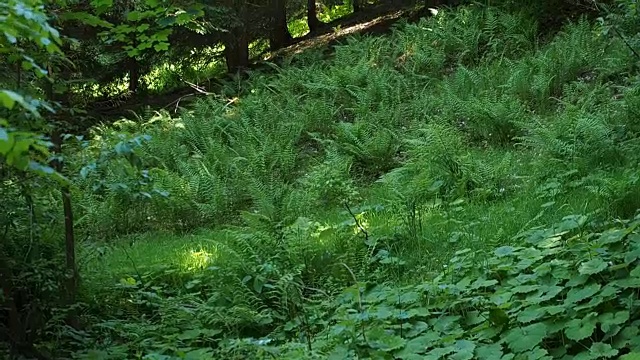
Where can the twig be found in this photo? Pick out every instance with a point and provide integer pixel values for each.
(624, 39)
(360, 227)
(135, 268)
(353, 276)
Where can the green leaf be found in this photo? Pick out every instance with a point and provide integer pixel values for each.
(504, 251)
(602, 350)
(526, 338)
(632, 282)
(612, 236)
(531, 313)
(163, 46)
(463, 350)
(481, 283)
(134, 16)
(418, 328)
(380, 339)
(576, 295)
(341, 352)
(523, 289)
(609, 320)
(489, 352)
(418, 345)
(439, 353)
(537, 354)
(630, 356)
(9, 98)
(593, 266)
(577, 280)
(152, 3)
(578, 329)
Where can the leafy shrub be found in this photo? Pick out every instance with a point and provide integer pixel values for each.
(577, 138)
(329, 183)
(569, 294)
(373, 147)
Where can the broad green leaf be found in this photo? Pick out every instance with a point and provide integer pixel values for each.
(576, 295)
(489, 352)
(380, 339)
(481, 283)
(545, 293)
(608, 320)
(633, 282)
(418, 345)
(134, 16)
(531, 313)
(523, 289)
(439, 353)
(612, 236)
(578, 329)
(504, 251)
(593, 266)
(630, 356)
(163, 46)
(417, 328)
(463, 350)
(602, 350)
(9, 98)
(555, 310)
(577, 280)
(340, 353)
(501, 298)
(538, 354)
(526, 338)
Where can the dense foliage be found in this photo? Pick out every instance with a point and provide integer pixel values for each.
(464, 186)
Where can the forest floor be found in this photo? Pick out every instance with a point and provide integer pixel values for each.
(466, 156)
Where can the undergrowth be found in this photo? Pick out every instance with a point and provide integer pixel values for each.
(452, 190)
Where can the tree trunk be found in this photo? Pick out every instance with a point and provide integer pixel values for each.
(280, 35)
(236, 51)
(72, 280)
(134, 75)
(312, 16)
(16, 332)
(71, 283)
(236, 47)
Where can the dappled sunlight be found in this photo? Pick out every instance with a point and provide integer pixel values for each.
(194, 259)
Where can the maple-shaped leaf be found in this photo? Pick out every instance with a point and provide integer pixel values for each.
(578, 329)
(608, 320)
(593, 266)
(526, 338)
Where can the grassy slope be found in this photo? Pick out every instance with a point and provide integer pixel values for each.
(414, 131)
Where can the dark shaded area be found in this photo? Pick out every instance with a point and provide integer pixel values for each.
(376, 20)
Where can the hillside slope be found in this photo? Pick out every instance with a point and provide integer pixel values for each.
(452, 190)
